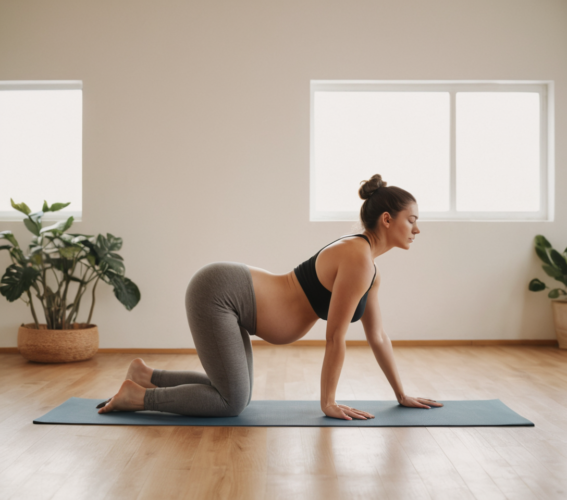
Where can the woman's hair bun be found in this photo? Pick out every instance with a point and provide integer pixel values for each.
(370, 186)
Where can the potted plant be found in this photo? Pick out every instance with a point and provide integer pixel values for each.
(555, 265)
(55, 262)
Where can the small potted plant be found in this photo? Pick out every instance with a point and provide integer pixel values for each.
(555, 265)
(54, 261)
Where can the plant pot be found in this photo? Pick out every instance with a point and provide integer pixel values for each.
(560, 321)
(58, 346)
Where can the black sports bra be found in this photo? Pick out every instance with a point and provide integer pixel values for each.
(319, 297)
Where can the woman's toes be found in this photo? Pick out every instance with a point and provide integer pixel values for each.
(130, 397)
(108, 407)
(103, 404)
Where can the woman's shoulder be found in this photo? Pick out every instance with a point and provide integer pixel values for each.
(352, 251)
(350, 242)
(355, 246)
(359, 253)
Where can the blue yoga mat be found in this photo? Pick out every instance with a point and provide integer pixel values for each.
(479, 413)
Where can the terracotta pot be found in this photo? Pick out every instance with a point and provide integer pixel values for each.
(58, 346)
(560, 321)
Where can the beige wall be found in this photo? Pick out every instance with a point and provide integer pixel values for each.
(196, 147)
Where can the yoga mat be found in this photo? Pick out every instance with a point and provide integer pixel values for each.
(478, 413)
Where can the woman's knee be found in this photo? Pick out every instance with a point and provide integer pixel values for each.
(234, 411)
(235, 405)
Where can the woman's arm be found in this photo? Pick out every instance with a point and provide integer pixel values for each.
(382, 348)
(385, 356)
(380, 343)
(350, 284)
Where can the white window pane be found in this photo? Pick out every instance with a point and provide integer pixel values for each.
(41, 148)
(498, 153)
(403, 136)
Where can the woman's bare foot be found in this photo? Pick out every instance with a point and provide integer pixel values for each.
(140, 373)
(130, 397)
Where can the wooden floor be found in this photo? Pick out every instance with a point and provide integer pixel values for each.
(91, 462)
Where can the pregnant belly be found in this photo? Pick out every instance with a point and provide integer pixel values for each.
(283, 313)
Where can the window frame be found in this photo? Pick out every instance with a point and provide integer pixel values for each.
(15, 215)
(545, 88)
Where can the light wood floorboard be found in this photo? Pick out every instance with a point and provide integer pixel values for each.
(120, 462)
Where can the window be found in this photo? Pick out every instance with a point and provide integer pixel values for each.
(41, 146)
(470, 150)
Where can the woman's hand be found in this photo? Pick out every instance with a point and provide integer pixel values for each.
(418, 402)
(345, 412)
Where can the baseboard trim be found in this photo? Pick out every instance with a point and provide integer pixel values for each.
(321, 343)
(424, 343)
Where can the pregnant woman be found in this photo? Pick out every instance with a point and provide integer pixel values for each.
(227, 302)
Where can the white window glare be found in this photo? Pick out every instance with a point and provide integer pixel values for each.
(498, 151)
(403, 136)
(40, 149)
(470, 150)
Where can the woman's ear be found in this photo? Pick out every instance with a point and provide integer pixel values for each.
(386, 219)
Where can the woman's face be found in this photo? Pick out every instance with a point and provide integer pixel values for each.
(403, 228)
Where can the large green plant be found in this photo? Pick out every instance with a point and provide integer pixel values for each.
(554, 264)
(64, 258)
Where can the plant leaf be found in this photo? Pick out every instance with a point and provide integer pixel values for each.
(125, 291)
(37, 259)
(68, 223)
(59, 226)
(10, 237)
(553, 294)
(66, 238)
(16, 281)
(45, 207)
(69, 252)
(552, 271)
(36, 217)
(102, 245)
(536, 285)
(115, 265)
(54, 228)
(542, 254)
(78, 239)
(85, 235)
(541, 241)
(21, 207)
(16, 253)
(58, 206)
(32, 226)
(114, 243)
(115, 255)
(5, 247)
(63, 265)
(93, 252)
(558, 260)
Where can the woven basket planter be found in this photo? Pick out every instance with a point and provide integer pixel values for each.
(58, 346)
(560, 321)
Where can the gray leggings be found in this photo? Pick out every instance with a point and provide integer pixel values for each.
(221, 309)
